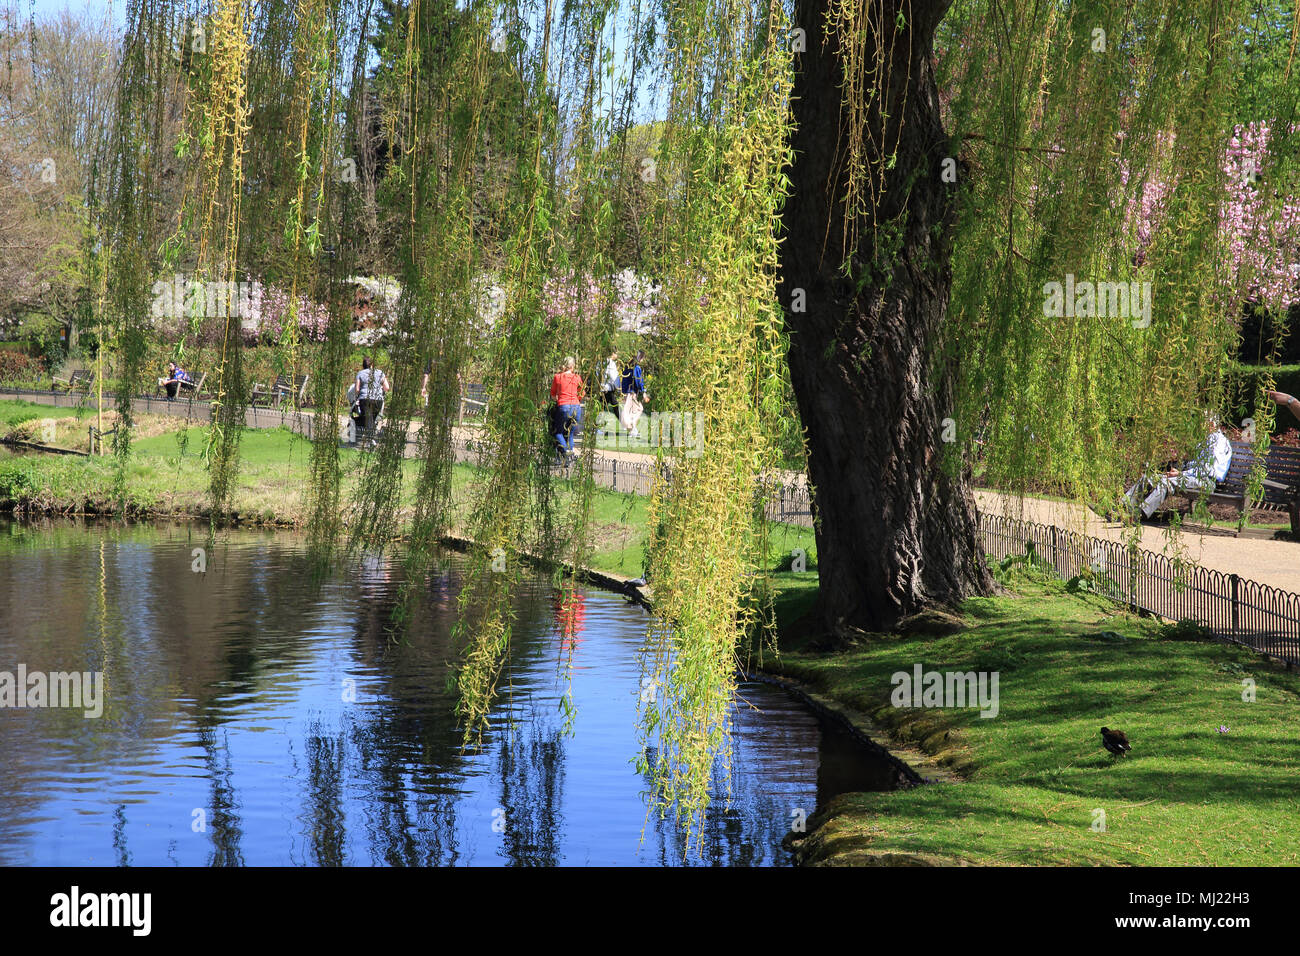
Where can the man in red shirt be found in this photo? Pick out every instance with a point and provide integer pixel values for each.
(568, 392)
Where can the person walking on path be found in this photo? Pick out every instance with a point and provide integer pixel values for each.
(371, 385)
(568, 392)
(634, 396)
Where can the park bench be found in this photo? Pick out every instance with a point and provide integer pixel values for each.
(262, 396)
(283, 387)
(80, 380)
(474, 402)
(191, 389)
(297, 389)
(1281, 489)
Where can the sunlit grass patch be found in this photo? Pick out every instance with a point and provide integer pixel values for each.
(1039, 780)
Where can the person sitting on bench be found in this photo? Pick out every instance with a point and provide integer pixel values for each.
(1208, 465)
(175, 377)
(1286, 401)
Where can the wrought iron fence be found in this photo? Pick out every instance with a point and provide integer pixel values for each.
(1232, 607)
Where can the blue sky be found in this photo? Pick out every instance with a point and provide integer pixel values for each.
(46, 7)
(646, 106)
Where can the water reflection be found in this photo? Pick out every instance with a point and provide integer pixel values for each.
(221, 812)
(255, 714)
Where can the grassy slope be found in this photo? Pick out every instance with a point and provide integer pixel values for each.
(11, 412)
(1036, 772)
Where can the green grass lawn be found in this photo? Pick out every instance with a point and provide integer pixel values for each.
(167, 477)
(1036, 773)
(15, 412)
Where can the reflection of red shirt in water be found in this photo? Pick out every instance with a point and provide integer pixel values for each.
(566, 388)
(570, 616)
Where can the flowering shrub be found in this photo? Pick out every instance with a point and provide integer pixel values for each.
(635, 300)
(313, 317)
(17, 367)
(489, 301)
(384, 293)
(266, 309)
(1145, 211)
(263, 312)
(368, 338)
(1265, 249)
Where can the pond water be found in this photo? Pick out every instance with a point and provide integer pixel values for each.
(252, 717)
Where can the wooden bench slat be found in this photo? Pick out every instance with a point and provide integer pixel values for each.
(1281, 484)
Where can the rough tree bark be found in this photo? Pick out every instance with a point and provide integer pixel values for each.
(895, 533)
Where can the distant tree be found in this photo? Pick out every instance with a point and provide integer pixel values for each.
(55, 86)
(639, 188)
(389, 102)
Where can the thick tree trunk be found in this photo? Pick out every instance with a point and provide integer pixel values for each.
(895, 532)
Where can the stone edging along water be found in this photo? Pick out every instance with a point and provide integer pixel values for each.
(912, 767)
(40, 446)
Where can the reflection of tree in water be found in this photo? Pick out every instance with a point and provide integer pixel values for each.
(398, 834)
(325, 820)
(119, 836)
(223, 821)
(570, 607)
(735, 832)
(531, 775)
(406, 744)
(407, 748)
(444, 588)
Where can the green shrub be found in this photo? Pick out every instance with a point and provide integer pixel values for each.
(1244, 385)
(42, 337)
(787, 561)
(1186, 630)
(17, 480)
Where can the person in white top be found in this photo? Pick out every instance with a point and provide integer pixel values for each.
(612, 387)
(371, 386)
(1209, 464)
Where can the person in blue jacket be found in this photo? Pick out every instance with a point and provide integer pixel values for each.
(634, 388)
(175, 377)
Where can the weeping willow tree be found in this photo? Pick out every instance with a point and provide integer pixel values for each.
(861, 201)
(932, 206)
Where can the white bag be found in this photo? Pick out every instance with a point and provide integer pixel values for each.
(631, 413)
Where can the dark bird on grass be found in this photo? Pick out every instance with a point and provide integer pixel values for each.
(1115, 741)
